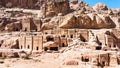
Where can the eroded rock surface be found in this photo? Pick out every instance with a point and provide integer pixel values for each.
(19, 3)
(90, 21)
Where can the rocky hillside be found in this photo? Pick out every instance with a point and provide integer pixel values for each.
(19, 3)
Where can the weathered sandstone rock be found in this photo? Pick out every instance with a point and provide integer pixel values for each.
(54, 7)
(10, 54)
(100, 6)
(90, 21)
(19, 3)
(71, 62)
(10, 43)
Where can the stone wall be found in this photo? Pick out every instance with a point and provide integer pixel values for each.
(37, 43)
(22, 43)
(30, 24)
(29, 42)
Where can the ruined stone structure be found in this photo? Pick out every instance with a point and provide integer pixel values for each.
(76, 33)
(95, 41)
(30, 24)
(97, 59)
(40, 42)
(31, 42)
(100, 58)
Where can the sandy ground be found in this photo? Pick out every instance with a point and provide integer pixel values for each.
(46, 60)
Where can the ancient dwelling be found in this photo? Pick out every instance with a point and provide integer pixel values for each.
(30, 24)
(91, 39)
(31, 42)
(42, 42)
(50, 41)
(100, 58)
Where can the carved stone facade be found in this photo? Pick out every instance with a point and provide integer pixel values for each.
(40, 42)
(30, 24)
(31, 42)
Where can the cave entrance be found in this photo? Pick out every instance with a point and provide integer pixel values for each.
(45, 49)
(85, 59)
(63, 45)
(54, 48)
(21, 47)
(49, 38)
(103, 63)
(82, 38)
(37, 48)
(98, 48)
(28, 46)
(25, 29)
(16, 29)
(71, 36)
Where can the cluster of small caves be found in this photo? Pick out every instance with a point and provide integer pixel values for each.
(99, 48)
(55, 39)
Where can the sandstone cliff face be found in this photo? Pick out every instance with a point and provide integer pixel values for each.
(9, 43)
(90, 21)
(15, 26)
(50, 8)
(19, 3)
(3, 23)
(7, 24)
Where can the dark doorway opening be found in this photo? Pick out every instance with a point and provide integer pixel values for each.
(103, 63)
(100, 43)
(110, 46)
(63, 45)
(25, 29)
(49, 38)
(71, 36)
(114, 45)
(16, 29)
(28, 46)
(82, 38)
(21, 46)
(62, 35)
(45, 48)
(98, 48)
(54, 48)
(36, 30)
(86, 60)
(37, 48)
